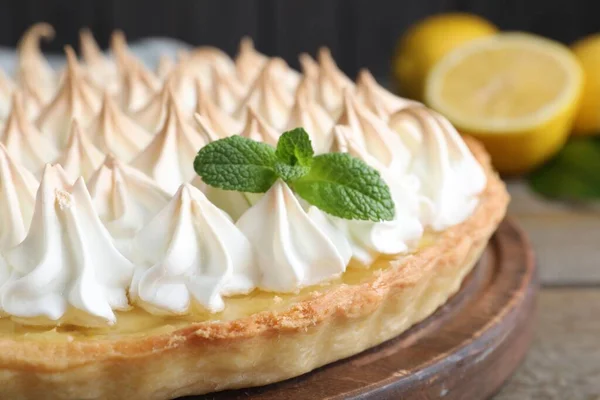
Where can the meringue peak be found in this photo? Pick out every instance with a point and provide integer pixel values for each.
(308, 114)
(223, 124)
(248, 62)
(332, 82)
(268, 96)
(17, 198)
(124, 197)
(151, 116)
(206, 129)
(80, 157)
(169, 158)
(293, 250)
(377, 98)
(79, 288)
(451, 177)
(115, 132)
(102, 71)
(24, 141)
(191, 254)
(139, 84)
(7, 88)
(227, 91)
(75, 98)
(33, 67)
(372, 133)
(310, 66)
(257, 129)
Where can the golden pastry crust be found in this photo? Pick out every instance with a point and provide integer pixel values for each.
(265, 347)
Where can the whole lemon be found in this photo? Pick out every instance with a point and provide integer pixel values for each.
(587, 51)
(426, 42)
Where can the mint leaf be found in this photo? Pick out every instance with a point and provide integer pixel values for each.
(290, 173)
(574, 174)
(237, 163)
(346, 187)
(294, 148)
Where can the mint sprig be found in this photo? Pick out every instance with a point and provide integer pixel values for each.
(336, 183)
(346, 187)
(237, 163)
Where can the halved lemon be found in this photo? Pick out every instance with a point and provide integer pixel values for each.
(516, 92)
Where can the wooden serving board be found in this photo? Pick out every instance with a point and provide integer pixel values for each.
(466, 350)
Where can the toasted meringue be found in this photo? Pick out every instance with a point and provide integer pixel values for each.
(114, 132)
(7, 88)
(371, 239)
(293, 251)
(223, 124)
(228, 92)
(310, 66)
(169, 158)
(165, 66)
(75, 99)
(17, 198)
(125, 198)
(268, 97)
(377, 98)
(152, 115)
(308, 114)
(310, 78)
(24, 141)
(33, 70)
(101, 70)
(206, 129)
(80, 157)
(191, 254)
(248, 62)
(451, 178)
(332, 83)
(201, 61)
(257, 129)
(372, 133)
(67, 270)
(138, 86)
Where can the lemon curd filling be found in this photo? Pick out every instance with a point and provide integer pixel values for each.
(137, 322)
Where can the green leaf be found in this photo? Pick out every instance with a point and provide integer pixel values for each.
(237, 163)
(574, 174)
(346, 187)
(290, 173)
(294, 148)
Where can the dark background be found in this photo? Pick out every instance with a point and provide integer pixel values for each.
(359, 32)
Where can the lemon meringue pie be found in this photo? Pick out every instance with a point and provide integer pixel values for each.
(125, 275)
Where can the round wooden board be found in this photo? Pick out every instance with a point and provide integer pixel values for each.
(466, 350)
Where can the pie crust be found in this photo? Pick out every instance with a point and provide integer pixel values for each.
(264, 347)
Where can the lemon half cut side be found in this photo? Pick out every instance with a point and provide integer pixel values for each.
(516, 92)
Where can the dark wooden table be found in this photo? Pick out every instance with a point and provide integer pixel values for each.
(564, 360)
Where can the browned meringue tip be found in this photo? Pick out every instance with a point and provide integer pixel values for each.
(324, 55)
(72, 63)
(302, 95)
(246, 44)
(17, 108)
(110, 161)
(88, 45)
(206, 127)
(309, 65)
(118, 46)
(32, 36)
(365, 77)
